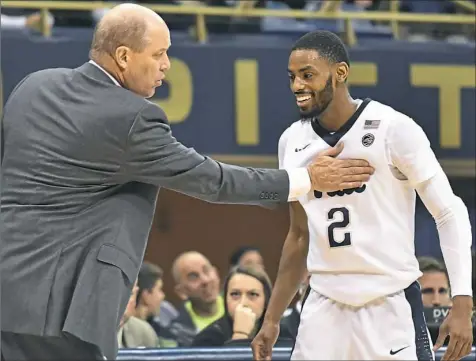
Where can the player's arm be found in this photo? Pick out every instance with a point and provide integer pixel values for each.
(292, 264)
(294, 253)
(291, 270)
(411, 153)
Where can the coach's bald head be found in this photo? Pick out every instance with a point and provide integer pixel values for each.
(131, 43)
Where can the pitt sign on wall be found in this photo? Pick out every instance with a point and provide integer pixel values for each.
(233, 100)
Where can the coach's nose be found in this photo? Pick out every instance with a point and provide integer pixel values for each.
(167, 65)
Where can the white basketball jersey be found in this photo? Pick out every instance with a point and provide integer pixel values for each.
(361, 240)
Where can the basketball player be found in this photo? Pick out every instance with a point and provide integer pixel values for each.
(364, 302)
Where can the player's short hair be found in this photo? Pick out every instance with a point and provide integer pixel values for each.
(430, 264)
(327, 44)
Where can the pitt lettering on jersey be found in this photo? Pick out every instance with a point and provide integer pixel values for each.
(342, 193)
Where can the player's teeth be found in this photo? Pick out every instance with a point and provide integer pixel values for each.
(302, 99)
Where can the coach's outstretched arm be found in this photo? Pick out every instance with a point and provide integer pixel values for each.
(411, 153)
(154, 156)
(291, 270)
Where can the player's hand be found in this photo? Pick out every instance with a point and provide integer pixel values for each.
(264, 341)
(329, 174)
(244, 320)
(458, 326)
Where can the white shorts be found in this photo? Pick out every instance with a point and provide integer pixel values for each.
(391, 328)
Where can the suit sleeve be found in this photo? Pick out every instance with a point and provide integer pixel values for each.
(154, 156)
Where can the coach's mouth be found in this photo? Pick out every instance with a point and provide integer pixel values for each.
(160, 80)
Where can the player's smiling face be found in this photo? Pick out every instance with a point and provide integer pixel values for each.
(311, 81)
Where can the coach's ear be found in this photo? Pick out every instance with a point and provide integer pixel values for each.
(332, 152)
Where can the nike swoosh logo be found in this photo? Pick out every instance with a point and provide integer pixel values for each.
(397, 351)
(299, 149)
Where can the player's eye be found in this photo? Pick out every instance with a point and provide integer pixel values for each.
(307, 76)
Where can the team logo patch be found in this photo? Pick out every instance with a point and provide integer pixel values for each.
(368, 139)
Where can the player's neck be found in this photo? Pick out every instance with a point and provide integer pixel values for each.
(339, 111)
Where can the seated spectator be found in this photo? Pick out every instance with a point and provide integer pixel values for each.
(247, 256)
(434, 283)
(134, 332)
(150, 294)
(149, 299)
(247, 294)
(197, 283)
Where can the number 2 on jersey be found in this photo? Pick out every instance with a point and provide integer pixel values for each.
(331, 215)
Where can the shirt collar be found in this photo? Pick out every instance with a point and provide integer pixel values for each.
(109, 75)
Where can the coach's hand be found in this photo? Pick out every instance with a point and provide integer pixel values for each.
(329, 174)
(458, 326)
(264, 341)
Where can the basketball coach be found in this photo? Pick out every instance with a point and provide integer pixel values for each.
(83, 157)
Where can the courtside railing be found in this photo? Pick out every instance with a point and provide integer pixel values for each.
(221, 353)
(393, 16)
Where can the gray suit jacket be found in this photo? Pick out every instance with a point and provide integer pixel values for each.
(82, 164)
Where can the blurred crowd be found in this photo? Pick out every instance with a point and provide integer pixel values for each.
(22, 18)
(212, 312)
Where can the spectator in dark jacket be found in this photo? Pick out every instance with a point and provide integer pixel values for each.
(247, 293)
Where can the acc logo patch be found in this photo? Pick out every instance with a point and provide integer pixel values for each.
(368, 139)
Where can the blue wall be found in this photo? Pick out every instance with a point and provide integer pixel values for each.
(413, 78)
(232, 97)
